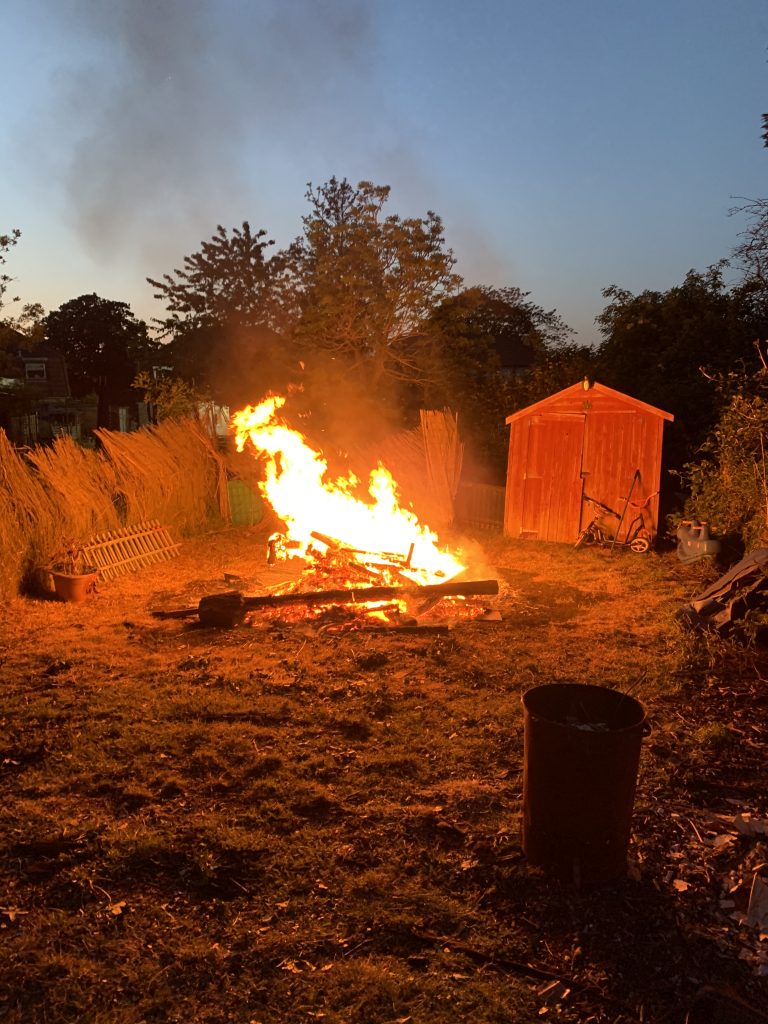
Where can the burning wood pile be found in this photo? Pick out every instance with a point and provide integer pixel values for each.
(354, 563)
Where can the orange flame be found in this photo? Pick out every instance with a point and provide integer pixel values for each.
(297, 488)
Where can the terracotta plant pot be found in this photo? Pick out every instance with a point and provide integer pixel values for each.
(70, 587)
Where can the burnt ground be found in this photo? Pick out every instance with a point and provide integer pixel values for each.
(279, 824)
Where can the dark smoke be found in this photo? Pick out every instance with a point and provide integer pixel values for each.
(184, 104)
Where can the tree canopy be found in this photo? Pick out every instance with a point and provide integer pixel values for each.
(104, 345)
(752, 249)
(343, 307)
(224, 306)
(487, 343)
(366, 282)
(27, 328)
(656, 345)
(228, 282)
(6, 244)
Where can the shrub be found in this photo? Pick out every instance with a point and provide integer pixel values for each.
(729, 485)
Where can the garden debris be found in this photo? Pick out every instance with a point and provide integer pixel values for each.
(554, 992)
(714, 1006)
(743, 587)
(757, 911)
(712, 866)
(56, 667)
(750, 826)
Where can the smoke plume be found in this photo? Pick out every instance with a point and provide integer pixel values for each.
(185, 108)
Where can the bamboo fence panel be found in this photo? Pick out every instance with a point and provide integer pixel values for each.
(425, 464)
(170, 473)
(444, 455)
(81, 482)
(30, 528)
(59, 497)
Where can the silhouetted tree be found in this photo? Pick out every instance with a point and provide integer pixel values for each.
(27, 328)
(752, 251)
(366, 284)
(104, 345)
(488, 344)
(6, 243)
(229, 280)
(656, 344)
(226, 306)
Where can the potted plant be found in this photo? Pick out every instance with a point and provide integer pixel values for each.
(73, 578)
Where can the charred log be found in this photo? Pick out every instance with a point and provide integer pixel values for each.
(228, 609)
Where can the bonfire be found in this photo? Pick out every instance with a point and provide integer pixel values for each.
(359, 560)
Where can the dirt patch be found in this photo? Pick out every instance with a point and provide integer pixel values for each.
(274, 824)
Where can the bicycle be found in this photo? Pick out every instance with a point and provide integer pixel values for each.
(638, 537)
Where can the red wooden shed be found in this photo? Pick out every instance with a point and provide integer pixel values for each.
(587, 439)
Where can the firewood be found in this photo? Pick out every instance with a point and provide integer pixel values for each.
(363, 595)
(330, 542)
(335, 545)
(429, 629)
(228, 609)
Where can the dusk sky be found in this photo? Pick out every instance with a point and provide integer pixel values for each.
(566, 145)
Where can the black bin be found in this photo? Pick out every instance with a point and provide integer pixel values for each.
(582, 752)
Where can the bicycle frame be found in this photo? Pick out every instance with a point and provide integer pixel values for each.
(637, 538)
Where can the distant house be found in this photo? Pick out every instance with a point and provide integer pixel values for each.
(36, 402)
(44, 371)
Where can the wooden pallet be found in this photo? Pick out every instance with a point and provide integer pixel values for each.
(117, 552)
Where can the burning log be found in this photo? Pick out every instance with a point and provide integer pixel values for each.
(384, 558)
(228, 609)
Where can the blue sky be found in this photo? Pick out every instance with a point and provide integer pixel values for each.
(566, 145)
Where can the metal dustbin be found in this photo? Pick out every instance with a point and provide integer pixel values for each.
(581, 758)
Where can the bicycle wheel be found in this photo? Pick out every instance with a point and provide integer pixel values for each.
(640, 545)
(586, 537)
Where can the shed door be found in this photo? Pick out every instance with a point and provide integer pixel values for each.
(551, 499)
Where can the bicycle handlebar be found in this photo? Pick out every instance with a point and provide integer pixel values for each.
(599, 504)
(640, 504)
(612, 511)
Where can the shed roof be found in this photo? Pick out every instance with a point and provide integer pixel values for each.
(601, 389)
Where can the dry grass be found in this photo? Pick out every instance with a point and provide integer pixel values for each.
(271, 824)
(28, 531)
(169, 472)
(80, 483)
(57, 497)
